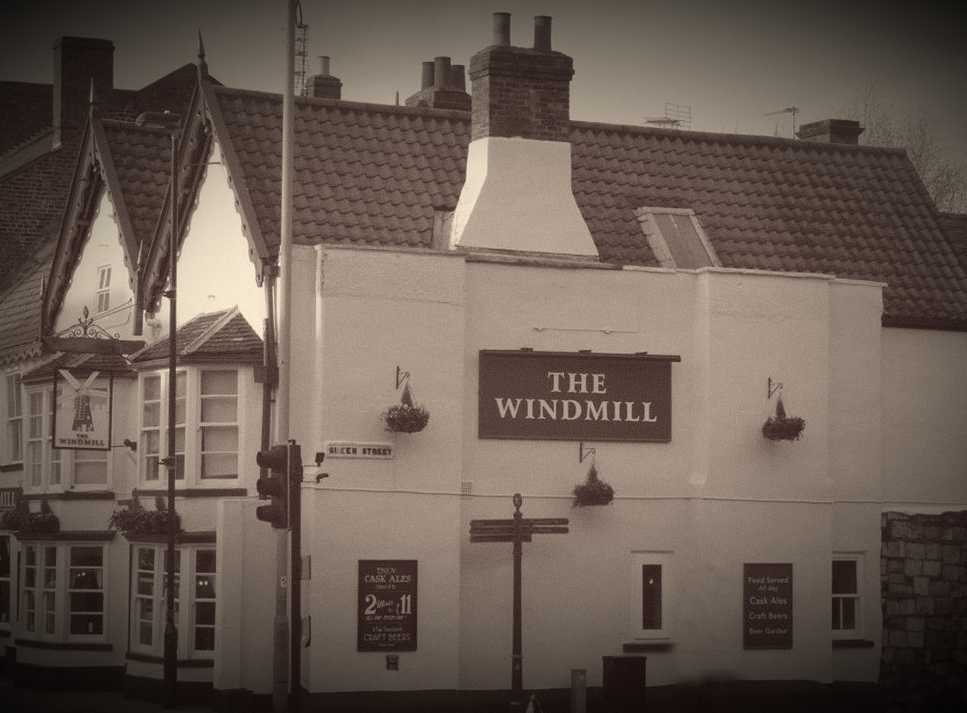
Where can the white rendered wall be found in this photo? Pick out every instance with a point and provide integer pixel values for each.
(215, 271)
(103, 248)
(924, 418)
(517, 196)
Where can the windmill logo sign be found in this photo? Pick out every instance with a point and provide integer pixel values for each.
(82, 413)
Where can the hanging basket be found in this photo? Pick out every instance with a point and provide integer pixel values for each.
(134, 519)
(406, 416)
(593, 491)
(20, 519)
(782, 427)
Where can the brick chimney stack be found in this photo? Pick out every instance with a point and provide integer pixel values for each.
(442, 86)
(831, 131)
(517, 195)
(78, 60)
(324, 85)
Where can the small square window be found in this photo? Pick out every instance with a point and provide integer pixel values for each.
(846, 599)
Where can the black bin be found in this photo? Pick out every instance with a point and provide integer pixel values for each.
(624, 683)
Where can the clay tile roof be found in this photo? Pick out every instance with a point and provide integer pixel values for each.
(80, 364)
(141, 158)
(223, 336)
(375, 174)
(20, 316)
(26, 109)
(954, 226)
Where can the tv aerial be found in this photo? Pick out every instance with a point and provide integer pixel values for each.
(794, 110)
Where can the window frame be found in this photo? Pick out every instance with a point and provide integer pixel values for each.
(858, 559)
(659, 243)
(193, 425)
(103, 289)
(217, 425)
(7, 578)
(186, 600)
(64, 459)
(61, 591)
(639, 559)
(13, 394)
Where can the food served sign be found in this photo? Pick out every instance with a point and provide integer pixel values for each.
(575, 396)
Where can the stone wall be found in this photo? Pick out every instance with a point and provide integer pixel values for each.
(923, 571)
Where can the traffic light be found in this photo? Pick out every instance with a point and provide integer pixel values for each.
(274, 487)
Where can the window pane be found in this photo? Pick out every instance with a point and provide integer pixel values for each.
(219, 466)
(844, 577)
(87, 602)
(150, 442)
(145, 631)
(179, 411)
(205, 613)
(205, 587)
(219, 382)
(219, 438)
(14, 441)
(146, 558)
(181, 381)
(837, 617)
(13, 395)
(87, 556)
(50, 577)
(4, 556)
(204, 639)
(849, 613)
(90, 473)
(152, 414)
(50, 556)
(152, 388)
(145, 583)
(205, 561)
(87, 624)
(86, 579)
(31, 555)
(151, 468)
(218, 410)
(651, 596)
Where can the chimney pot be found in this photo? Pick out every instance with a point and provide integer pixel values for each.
(324, 85)
(324, 65)
(441, 72)
(542, 33)
(831, 131)
(458, 80)
(426, 78)
(502, 29)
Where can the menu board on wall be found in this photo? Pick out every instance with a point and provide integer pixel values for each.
(767, 606)
(387, 605)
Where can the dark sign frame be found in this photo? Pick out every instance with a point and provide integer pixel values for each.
(767, 605)
(515, 374)
(387, 605)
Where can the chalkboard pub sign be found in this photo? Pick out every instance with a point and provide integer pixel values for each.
(387, 605)
(575, 396)
(767, 606)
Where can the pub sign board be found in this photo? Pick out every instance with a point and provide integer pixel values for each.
(575, 396)
(767, 606)
(387, 605)
(83, 410)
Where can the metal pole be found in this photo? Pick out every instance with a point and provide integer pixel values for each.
(280, 687)
(171, 631)
(517, 665)
(295, 601)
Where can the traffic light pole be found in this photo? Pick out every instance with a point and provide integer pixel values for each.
(280, 687)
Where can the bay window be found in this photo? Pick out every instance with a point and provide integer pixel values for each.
(195, 575)
(207, 432)
(62, 591)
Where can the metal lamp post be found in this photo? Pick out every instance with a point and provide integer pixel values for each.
(170, 121)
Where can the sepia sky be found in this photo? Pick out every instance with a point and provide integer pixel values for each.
(731, 61)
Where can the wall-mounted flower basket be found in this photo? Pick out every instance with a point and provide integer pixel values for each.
(593, 491)
(782, 427)
(406, 416)
(134, 519)
(20, 519)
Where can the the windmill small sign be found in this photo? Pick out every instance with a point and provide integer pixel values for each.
(82, 412)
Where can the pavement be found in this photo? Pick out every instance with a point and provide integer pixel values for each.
(15, 699)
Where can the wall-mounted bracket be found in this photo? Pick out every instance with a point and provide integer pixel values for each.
(583, 454)
(401, 376)
(773, 387)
